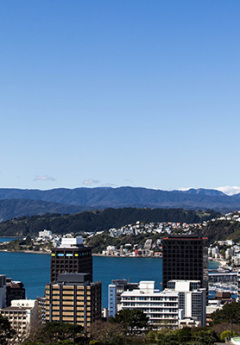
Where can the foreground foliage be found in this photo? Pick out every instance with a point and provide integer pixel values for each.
(6, 332)
(60, 333)
(230, 313)
(133, 321)
(130, 327)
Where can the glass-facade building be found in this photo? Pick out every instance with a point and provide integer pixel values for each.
(185, 258)
(76, 259)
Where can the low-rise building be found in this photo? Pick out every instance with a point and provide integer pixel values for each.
(45, 234)
(22, 315)
(161, 307)
(212, 306)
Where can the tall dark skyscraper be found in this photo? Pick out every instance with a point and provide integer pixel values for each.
(185, 258)
(71, 257)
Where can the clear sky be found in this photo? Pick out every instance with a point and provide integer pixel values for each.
(119, 92)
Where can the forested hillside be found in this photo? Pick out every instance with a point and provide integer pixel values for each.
(99, 220)
(222, 230)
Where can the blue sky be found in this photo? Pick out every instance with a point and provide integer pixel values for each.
(113, 93)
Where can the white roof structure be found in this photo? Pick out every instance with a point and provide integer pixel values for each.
(68, 242)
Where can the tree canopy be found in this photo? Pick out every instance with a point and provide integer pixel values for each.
(229, 313)
(132, 320)
(6, 332)
(55, 333)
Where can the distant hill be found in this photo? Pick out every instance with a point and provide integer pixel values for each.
(221, 230)
(15, 208)
(100, 198)
(91, 221)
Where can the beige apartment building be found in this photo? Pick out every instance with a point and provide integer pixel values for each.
(74, 299)
(23, 317)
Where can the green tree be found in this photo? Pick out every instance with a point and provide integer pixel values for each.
(151, 336)
(28, 241)
(6, 332)
(106, 333)
(168, 339)
(204, 338)
(227, 334)
(229, 313)
(133, 320)
(184, 334)
(56, 333)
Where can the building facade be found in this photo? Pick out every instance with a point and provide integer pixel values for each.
(2, 291)
(161, 307)
(185, 258)
(114, 294)
(14, 290)
(192, 300)
(71, 257)
(41, 309)
(238, 284)
(23, 317)
(74, 299)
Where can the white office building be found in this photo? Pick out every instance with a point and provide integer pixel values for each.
(161, 307)
(192, 300)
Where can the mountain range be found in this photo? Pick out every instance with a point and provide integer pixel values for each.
(20, 202)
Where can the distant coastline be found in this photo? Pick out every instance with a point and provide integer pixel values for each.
(23, 251)
(125, 256)
(220, 262)
(105, 256)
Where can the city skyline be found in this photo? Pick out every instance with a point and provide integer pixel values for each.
(139, 93)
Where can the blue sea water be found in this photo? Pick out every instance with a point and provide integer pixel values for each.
(6, 239)
(34, 270)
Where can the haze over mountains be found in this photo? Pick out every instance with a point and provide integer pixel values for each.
(20, 202)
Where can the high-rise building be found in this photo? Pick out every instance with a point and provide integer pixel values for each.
(71, 296)
(71, 257)
(114, 294)
(74, 299)
(192, 300)
(185, 258)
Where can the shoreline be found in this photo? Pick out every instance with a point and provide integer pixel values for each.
(220, 262)
(23, 251)
(10, 237)
(95, 254)
(125, 256)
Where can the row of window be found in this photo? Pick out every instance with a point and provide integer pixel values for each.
(167, 298)
(70, 255)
